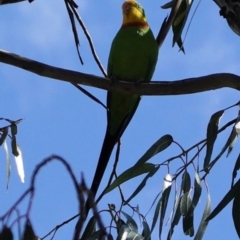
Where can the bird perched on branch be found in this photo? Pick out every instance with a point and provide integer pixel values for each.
(133, 57)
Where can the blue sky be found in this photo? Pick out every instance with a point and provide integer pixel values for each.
(58, 119)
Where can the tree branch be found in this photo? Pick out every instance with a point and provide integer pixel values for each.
(185, 86)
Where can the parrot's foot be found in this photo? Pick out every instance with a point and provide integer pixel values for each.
(112, 80)
(140, 80)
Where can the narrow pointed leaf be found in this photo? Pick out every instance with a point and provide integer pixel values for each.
(28, 233)
(132, 172)
(236, 168)
(167, 5)
(163, 143)
(14, 146)
(165, 197)
(176, 218)
(180, 20)
(110, 237)
(212, 131)
(237, 127)
(134, 236)
(8, 163)
(121, 224)
(186, 182)
(167, 184)
(90, 228)
(146, 231)
(226, 199)
(95, 235)
(123, 232)
(6, 234)
(142, 184)
(188, 227)
(156, 213)
(180, 45)
(230, 139)
(236, 212)
(19, 164)
(197, 193)
(4, 135)
(186, 203)
(130, 222)
(203, 224)
(13, 129)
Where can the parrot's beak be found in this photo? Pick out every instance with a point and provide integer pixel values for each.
(126, 8)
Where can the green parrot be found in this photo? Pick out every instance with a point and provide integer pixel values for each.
(133, 57)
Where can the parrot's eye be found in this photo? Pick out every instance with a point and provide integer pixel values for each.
(137, 6)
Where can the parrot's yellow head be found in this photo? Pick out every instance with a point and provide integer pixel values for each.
(133, 13)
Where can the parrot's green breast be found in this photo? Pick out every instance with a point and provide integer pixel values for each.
(133, 57)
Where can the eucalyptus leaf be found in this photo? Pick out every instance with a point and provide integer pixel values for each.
(160, 145)
(212, 131)
(130, 222)
(90, 228)
(4, 135)
(203, 224)
(236, 212)
(236, 168)
(225, 201)
(142, 184)
(130, 173)
(6, 234)
(177, 216)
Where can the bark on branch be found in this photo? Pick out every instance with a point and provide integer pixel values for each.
(184, 86)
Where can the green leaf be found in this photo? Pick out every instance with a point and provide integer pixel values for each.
(232, 141)
(203, 224)
(236, 168)
(163, 143)
(156, 213)
(110, 237)
(6, 234)
(197, 193)
(14, 146)
(134, 236)
(142, 184)
(130, 222)
(180, 20)
(8, 162)
(95, 235)
(19, 164)
(186, 203)
(236, 212)
(28, 233)
(188, 227)
(167, 5)
(165, 197)
(186, 182)
(212, 131)
(4, 135)
(146, 231)
(90, 228)
(132, 172)
(227, 144)
(176, 218)
(13, 129)
(121, 224)
(124, 231)
(226, 199)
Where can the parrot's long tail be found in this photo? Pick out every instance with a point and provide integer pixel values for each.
(107, 148)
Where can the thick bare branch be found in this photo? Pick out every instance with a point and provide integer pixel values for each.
(185, 86)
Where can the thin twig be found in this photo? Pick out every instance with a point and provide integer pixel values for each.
(89, 41)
